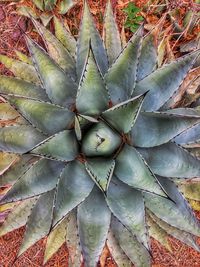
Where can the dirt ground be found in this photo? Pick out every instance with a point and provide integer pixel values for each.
(12, 28)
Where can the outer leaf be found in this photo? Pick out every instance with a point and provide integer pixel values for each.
(184, 237)
(123, 116)
(40, 178)
(64, 36)
(87, 33)
(18, 216)
(184, 112)
(20, 69)
(55, 240)
(170, 160)
(128, 206)
(121, 76)
(56, 50)
(49, 4)
(65, 5)
(154, 129)
(101, 171)
(190, 136)
(92, 95)
(134, 171)
(39, 4)
(16, 87)
(130, 245)
(93, 224)
(17, 169)
(148, 57)
(60, 88)
(163, 82)
(158, 233)
(73, 187)
(191, 190)
(6, 160)
(39, 222)
(111, 35)
(171, 213)
(19, 139)
(62, 146)
(8, 115)
(117, 253)
(72, 240)
(47, 117)
(23, 57)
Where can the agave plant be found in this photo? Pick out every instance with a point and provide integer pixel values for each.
(92, 155)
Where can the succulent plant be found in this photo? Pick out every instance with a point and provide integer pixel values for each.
(91, 154)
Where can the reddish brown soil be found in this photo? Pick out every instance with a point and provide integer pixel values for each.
(12, 28)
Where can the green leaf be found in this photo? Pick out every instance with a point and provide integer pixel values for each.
(19, 139)
(127, 205)
(61, 146)
(55, 240)
(92, 95)
(23, 57)
(100, 140)
(17, 169)
(191, 190)
(172, 213)
(41, 177)
(18, 216)
(158, 233)
(39, 4)
(111, 35)
(65, 5)
(64, 36)
(47, 117)
(101, 171)
(59, 86)
(164, 82)
(124, 115)
(6, 160)
(17, 87)
(116, 252)
(49, 4)
(184, 112)
(39, 222)
(56, 50)
(184, 237)
(170, 160)
(148, 57)
(72, 240)
(77, 128)
(20, 69)
(93, 224)
(73, 187)
(154, 129)
(87, 33)
(121, 77)
(134, 171)
(135, 251)
(190, 136)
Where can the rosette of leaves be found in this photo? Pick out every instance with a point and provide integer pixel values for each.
(91, 155)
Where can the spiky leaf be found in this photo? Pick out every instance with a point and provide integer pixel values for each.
(34, 182)
(101, 171)
(170, 160)
(128, 206)
(73, 187)
(93, 225)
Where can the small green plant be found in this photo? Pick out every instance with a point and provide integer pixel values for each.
(133, 19)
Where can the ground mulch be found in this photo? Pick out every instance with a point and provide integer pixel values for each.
(12, 29)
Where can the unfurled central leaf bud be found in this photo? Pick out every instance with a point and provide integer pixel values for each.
(100, 140)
